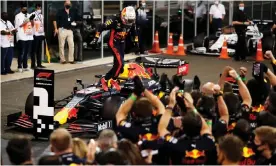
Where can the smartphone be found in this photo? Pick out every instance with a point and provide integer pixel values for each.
(256, 69)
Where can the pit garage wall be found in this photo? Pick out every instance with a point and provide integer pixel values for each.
(160, 13)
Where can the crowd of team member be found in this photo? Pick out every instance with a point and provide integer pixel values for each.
(210, 125)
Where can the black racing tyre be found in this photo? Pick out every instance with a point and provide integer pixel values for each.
(268, 43)
(111, 106)
(29, 104)
(206, 42)
(199, 40)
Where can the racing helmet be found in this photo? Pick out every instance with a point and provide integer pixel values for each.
(128, 15)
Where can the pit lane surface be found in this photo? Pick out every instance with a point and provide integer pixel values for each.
(14, 94)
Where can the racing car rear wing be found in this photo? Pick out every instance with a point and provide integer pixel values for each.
(183, 66)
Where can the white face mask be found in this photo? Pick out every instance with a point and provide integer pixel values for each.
(143, 4)
(216, 2)
(241, 8)
(38, 11)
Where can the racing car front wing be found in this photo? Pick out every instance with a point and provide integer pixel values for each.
(77, 127)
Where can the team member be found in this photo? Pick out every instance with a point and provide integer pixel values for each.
(141, 109)
(120, 27)
(244, 132)
(7, 44)
(196, 144)
(19, 150)
(207, 107)
(240, 22)
(217, 13)
(230, 150)
(237, 110)
(23, 22)
(141, 22)
(200, 14)
(78, 39)
(61, 145)
(265, 142)
(143, 128)
(39, 36)
(65, 20)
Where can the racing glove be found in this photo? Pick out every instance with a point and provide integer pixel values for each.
(138, 86)
(32, 17)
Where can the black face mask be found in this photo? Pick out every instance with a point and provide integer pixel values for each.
(256, 151)
(24, 11)
(67, 6)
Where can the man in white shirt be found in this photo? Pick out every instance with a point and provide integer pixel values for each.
(23, 22)
(217, 13)
(39, 36)
(7, 43)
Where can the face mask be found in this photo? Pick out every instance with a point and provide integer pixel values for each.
(24, 11)
(38, 11)
(143, 5)
(67, 6)
(216, 2)
(241, 8)
(256, 151)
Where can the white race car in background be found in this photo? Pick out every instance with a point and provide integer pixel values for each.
(212, 46)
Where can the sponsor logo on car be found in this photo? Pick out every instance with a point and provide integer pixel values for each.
(183, 69)
(138, 70)
(104, 125)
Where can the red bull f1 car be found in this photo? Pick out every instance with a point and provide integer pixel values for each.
(90, 109)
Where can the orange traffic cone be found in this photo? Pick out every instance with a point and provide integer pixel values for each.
(181, 49)
(170, 46)
(155, 46)
(259, 53)
(224, 53)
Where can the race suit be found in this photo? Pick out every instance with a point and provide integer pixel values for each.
(118, 33)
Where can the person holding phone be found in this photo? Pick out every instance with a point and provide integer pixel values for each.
(240, 22)
(7, 44)
(24, 23)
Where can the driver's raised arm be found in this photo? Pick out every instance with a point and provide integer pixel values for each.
(107, 25)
